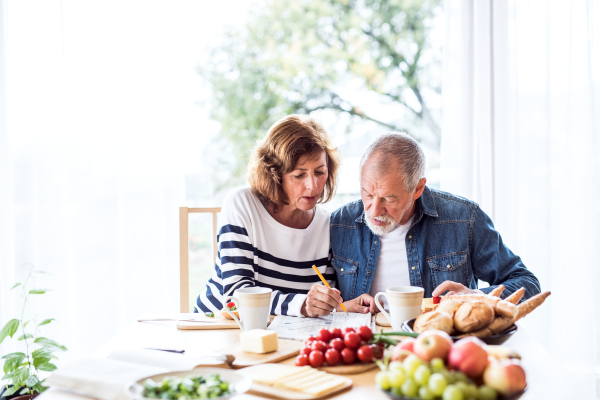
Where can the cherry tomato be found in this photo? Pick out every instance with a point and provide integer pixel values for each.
(337, 333)
(231, 304)
(348, 329)
(309, 340)
(316, 358)
(365, 333)
(352, 340)
(348, 356)
(319, 345)
(377, 351)
(302, 360)
(365, 353)
(324, 335)
(306, 350)
(337, 344)
(332, 357)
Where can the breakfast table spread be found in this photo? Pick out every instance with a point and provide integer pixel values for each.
(546, 379)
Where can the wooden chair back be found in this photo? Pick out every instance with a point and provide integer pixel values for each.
(184, 251)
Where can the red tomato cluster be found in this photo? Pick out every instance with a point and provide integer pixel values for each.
(335, 345)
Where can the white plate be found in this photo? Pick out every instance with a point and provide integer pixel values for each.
(239, 383)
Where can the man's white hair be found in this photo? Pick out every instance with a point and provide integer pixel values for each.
(402, 148)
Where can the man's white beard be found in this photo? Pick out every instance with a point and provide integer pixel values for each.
(390, 223)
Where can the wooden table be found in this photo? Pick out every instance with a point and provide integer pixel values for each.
(546, 379)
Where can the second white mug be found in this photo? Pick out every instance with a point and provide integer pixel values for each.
(404, 303)
(253, 304)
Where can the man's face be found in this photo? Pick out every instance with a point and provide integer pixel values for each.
(387, 203)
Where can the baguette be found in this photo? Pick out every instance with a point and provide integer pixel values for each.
(502, 307)
(497, 291)
(516, 296)
(498, 325)
(449, 306)
(529, 305)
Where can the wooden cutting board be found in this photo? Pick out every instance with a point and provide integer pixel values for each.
(287, 349)
(221, 323)
(349, 369)
(286, 394)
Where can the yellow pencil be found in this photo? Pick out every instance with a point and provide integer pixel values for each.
(327, 284)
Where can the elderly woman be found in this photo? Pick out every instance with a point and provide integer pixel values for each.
(273, 232)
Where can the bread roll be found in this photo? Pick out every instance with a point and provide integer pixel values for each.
(472, 316)
(449, 306)
(433, 320)
(226, 315)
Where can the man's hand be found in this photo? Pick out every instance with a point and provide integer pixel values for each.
(453, 288)
(320, 300)
(362, 304)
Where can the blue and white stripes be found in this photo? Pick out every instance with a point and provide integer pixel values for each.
(255, 250)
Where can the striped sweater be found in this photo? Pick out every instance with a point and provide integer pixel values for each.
(256, 250)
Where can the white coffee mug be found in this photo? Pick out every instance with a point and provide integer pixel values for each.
(253, 304)
(404, 302)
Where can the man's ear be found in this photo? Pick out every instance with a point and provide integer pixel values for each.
(419, 189)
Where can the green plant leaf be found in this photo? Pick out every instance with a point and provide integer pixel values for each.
(11, 355)
(47, 367)
(46, 321)
(41, 358)
(25, 390)
(25, 336)
(35, 291)
(19, 376)
(47, 342)
(39, 388)
(25, 324)
(10, 390)
(16, 285)
(7, 377)
(42, 272)
(9, 329)
(31, 381)
(43, 351)
(12, 363)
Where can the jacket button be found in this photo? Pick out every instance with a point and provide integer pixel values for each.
(409, 236)
(342, 269)
(355, 262)
(413, 268)
(368, 272)
(376, 242)
(448, 266)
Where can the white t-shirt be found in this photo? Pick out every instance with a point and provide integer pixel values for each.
(392, 265)
(256, 250)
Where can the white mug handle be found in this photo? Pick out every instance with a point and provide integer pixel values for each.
(380, 306)
(225, 301)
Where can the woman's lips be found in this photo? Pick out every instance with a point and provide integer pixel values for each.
(313, 198)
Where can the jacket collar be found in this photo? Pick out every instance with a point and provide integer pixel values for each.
(424, 205)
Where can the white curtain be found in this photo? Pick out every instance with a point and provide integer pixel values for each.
(521, 136)
(98, 125)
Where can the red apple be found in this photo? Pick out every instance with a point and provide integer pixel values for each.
(506, 376)
(431, 344)
(407, 344)
(469, 356)
(400, 354)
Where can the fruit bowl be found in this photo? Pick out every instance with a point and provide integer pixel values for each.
(389, 394)
(499, 338)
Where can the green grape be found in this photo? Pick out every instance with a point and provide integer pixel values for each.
(471, 391)
(411, 363)
(425, 393)
(486, 393)
(396, 378)
(437, 383)
(396, 365)
(397, 391)
(453, 393)
(422, 374)
(437, 364)
(460, 377)
(383, 380)
(451, 377)
(410, 387)
(462, 386)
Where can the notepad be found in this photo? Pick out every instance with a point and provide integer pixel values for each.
(300, 328)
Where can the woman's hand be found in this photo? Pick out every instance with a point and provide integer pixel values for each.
(453, 288)
(320, 300)
(362, 304)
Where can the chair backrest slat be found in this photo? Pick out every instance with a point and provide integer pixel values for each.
(184, 251)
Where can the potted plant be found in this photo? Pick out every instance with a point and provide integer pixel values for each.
(22, 369)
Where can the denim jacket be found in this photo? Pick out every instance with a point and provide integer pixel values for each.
(450, 239)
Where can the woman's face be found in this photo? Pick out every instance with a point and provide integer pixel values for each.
(306, 182)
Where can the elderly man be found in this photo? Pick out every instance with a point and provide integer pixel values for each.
(403, 233)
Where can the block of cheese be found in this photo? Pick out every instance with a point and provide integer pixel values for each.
(282, 372)
(322, 388)
(258, 341)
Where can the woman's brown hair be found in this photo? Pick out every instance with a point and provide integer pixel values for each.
(287, 141)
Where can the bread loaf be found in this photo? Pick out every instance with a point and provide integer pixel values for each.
(434, 320)
(449, 306)
(472, 316)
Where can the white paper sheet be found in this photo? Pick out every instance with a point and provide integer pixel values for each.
(300, 328)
